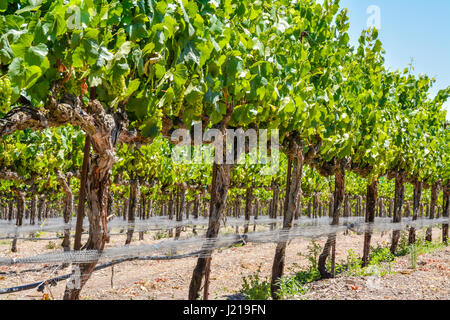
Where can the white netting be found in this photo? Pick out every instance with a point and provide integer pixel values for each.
(303, 228)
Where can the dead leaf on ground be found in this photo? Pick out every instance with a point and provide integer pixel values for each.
(405, 271)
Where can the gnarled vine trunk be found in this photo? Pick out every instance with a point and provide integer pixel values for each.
(181, 208)
(104, 131)
(219, 191)
(416, 208)
(98, 185)
(446, 211)
(68, 209)
(371, 199)
(82, 193)
(256, 213)
(133, 205)
(196, 211)
(316, 205)
(293, 191)
(10, 210)
(19, 216)
(248, 207)
(170, 208)
(434, 196)
(331, 206)
(274, 205)
(33, 211)
(339, 193)
(150, 209)
(398, 205)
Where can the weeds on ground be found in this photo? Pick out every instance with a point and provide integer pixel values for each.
(38, 234)
(403, 245)
(421, 246)
(160, 235)
(228, 230)
(413, 256)
(291, 286)
(380, 264)
(294, 286)
(314, 250)
(254, 287)
(380, 254)
(51, 245)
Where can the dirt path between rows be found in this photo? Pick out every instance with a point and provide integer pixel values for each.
(170, 279)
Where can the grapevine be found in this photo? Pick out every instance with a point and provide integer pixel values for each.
(346, 132)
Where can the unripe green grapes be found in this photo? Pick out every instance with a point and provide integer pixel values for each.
(198, 107)
(5, 94)
(118, 87)
(179, 101)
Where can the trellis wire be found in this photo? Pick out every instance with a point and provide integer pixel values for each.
(40, 284)
(162, 223)
(206, 246)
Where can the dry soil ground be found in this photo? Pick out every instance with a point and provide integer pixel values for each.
(170, 279)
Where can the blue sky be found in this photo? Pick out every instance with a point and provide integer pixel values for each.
(414, 29)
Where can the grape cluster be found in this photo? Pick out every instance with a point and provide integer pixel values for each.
(179, 101)
(197, 107)
(118, 87)
(5, 94)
